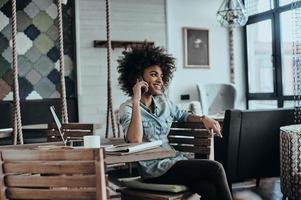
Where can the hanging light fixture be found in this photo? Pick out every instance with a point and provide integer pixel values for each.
(232, 14)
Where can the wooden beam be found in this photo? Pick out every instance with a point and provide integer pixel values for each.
(120, 44)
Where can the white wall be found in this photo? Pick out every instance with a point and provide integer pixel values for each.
(131, 20)
(146, 19)
(202, 14)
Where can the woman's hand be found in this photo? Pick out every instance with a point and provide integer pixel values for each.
(212, 126)
(138, 88)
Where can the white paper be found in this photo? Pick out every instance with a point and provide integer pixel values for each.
(132, 148)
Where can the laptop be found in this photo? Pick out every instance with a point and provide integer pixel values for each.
(58, 124)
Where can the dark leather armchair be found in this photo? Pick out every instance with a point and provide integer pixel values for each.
(250, 146)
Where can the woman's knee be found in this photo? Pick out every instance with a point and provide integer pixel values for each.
(216, 165)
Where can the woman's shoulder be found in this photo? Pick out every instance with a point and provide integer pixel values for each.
(127, 103)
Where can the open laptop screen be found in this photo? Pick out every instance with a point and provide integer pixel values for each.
(57, 123)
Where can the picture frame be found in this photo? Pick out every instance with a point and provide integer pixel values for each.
(196, 47)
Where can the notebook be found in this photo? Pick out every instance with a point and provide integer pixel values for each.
(58, 124)
(128, 148)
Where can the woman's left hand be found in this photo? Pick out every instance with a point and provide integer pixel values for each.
(212, 126)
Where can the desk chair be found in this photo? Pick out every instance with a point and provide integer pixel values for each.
(189, 137)
(52, 174)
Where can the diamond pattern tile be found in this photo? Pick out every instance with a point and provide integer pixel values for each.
(6, 9)
(7, 54)
(32, 32)
(33, 54)
(23, 21)
(42, 21)
(22, 4)
(33, 77)
(24, 65)
(25, 87)
(52, 11)
(6, 31)
(38, 55)
(44, 65)
(55, 95)
(5, 66)
(8, 77)
(2, 2)
(57, 65)
(54, 76)
(43, 43)
(4, 21)
(54, 54)
(45, 88)
(33, 95)
(8, 97)
(4, 88)
(32, 10)
(44, 4)
(23, 43)
(53, 33)
(4, 44)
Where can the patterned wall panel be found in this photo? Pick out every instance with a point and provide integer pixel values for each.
(38, 50)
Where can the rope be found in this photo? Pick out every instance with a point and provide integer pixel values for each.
(231, 52)
(17, 112)
(109, 88)
(64, 112)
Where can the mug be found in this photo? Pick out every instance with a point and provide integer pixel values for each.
(92, 141)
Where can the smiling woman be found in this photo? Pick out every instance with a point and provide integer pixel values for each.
(148, 117)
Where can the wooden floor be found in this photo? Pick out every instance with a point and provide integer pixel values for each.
(269, 189)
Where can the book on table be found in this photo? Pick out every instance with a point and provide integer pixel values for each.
(128, 148)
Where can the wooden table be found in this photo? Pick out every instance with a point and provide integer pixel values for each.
(150, 154)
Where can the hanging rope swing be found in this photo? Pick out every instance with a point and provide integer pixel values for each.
(109, 87)
(17, 128)
(64, 110)
(18, 135)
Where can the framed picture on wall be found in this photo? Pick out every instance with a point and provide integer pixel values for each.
(196, 47)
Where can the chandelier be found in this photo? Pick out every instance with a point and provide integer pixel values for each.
(232, 14)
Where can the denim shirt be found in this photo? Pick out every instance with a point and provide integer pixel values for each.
(155, 127)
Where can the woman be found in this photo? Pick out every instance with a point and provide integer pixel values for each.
(144, 74)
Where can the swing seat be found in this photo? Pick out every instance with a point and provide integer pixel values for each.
(6, 132)
(73, 132)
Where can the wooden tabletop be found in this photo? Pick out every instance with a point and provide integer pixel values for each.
(157, 153)
(150, 154)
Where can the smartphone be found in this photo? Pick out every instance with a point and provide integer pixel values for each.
(143, 88)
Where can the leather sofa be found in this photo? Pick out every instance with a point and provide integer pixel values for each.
(250, 144)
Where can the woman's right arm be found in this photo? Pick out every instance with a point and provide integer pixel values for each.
(135, 129)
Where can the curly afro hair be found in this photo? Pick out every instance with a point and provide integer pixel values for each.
(135, 61)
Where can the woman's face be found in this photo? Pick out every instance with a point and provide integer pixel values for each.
(153, 76)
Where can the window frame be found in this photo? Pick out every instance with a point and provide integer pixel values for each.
(274, 16)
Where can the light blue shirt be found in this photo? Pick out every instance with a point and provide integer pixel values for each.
(155, 127)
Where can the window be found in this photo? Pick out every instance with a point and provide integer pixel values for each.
(269, 53)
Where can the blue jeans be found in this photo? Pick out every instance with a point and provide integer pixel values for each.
(205, 177)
